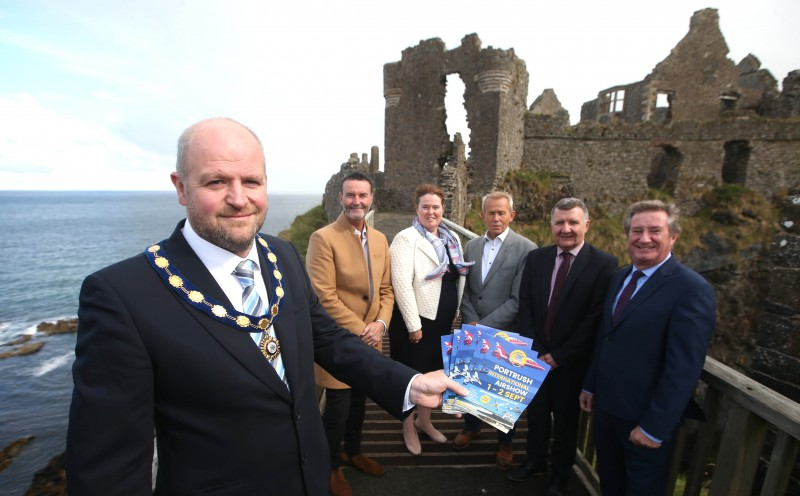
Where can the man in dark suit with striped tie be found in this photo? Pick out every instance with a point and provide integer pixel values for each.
(164, 344)
(561, 299)
(650, 350)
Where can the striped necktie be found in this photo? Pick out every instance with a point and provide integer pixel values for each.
(252, 304)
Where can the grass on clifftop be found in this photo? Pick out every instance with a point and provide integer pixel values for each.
(303, 226)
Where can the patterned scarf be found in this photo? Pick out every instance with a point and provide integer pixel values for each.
(444, 243)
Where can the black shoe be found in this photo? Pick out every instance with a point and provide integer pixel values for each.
(526, 471)
(556, 488)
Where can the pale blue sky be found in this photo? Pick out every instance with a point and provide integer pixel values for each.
(94, 93)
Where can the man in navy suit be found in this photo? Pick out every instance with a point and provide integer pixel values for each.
(651, 347)
(165, 345)
(561, 302)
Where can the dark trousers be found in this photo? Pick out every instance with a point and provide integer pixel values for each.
(555, 410)
(343, 420)
(624, 468)
(473, 423)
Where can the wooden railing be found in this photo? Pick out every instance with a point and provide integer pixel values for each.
(748, 427)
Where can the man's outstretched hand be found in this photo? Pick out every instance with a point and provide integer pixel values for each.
(427, 389)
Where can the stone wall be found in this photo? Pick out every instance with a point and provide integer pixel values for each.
(698, 82)
(417, 142)
(618, 160)
(776, 362)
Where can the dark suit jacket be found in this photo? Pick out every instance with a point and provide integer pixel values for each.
(646, 365)
(578, 309)
(226, 424)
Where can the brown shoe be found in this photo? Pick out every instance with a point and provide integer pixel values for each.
(363, 463)
(505, 457)
(464, 438)
(339, 485)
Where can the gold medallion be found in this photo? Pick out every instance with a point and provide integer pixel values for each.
(270, 346)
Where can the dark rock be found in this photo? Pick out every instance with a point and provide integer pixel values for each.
(779, 333)
(783, 288)
(51, 480)
(786, 250)
(24, 338)
(12, 450)
(22, 350)
(64, 326)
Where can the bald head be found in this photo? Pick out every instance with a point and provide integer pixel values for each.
(206, 134)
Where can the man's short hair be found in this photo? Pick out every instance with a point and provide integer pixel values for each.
(181, 164)
(356, 176)
(494, 195)
(673, 214)
(569, 204)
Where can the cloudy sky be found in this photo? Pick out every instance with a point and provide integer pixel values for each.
(94, 93)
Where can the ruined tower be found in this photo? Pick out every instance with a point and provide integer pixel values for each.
(418, 147)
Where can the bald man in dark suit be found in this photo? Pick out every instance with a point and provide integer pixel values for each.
(166, 344)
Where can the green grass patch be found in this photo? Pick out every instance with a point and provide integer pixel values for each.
(303, 226)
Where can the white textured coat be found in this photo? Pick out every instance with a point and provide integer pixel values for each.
(412, 258)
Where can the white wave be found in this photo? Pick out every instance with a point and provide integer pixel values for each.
(53, 363)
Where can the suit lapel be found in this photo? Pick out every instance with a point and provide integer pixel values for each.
(284, 323)
(577, 266)
(237, 343)
(500, 259)
(546, 279)
(650, 286)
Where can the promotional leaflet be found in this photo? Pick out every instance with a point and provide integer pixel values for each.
(502, 375)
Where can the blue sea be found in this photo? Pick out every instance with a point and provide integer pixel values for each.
(50, 241)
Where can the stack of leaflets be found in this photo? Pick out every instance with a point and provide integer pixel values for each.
(498, 369)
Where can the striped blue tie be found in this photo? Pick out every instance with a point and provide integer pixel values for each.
(252, 304)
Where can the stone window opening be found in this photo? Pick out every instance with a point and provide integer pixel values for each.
(665, 169)
(612, 101)
(727, 102)
(734, 165)
(662, 113)
(455, 110)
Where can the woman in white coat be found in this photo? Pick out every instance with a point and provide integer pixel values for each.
(428, 272)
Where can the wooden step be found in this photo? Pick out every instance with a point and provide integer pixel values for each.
(382, 439)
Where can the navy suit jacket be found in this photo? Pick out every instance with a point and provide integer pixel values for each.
(147, 360)
(578, 308)
(646, 365)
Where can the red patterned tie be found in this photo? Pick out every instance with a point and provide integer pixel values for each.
(561, 276)
(625, 297)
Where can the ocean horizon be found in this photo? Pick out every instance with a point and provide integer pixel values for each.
(52, 240)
